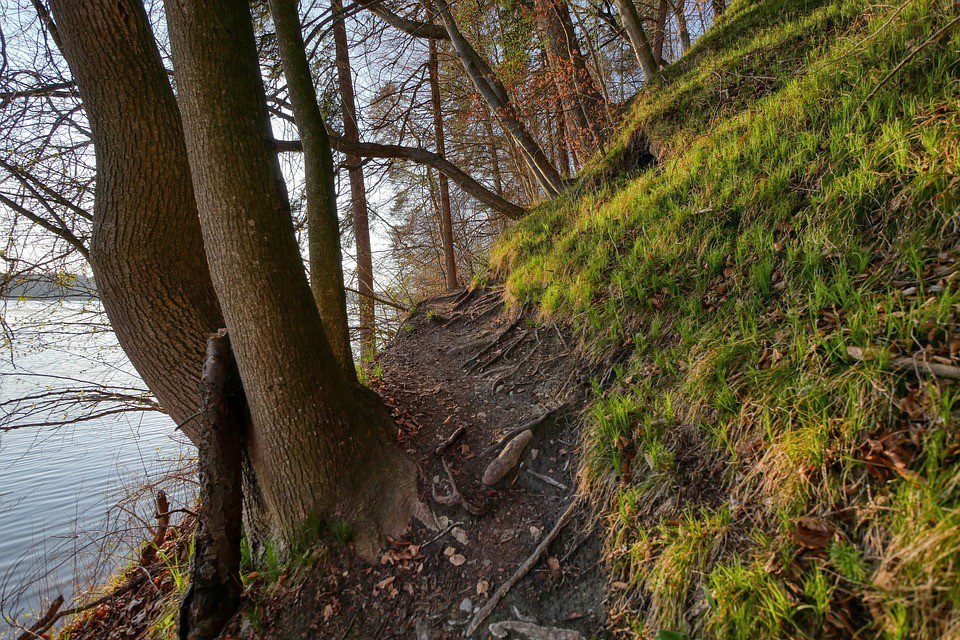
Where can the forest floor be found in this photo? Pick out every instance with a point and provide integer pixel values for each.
(467, 366)
(462, 378)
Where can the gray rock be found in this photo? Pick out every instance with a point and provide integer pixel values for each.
(508, 459)
(467, 605)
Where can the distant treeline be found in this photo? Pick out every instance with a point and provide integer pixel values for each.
(48, 285)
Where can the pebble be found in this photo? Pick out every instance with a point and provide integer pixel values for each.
(467, 605)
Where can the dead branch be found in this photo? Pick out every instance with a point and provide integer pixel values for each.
(454, 497)
(450, 440)
(907, 364)
(523, 569)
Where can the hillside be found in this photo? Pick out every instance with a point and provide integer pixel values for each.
(777, 283)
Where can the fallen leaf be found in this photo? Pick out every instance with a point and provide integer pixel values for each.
(386, 582)
(457, 559)
(812, 533)
(483, 588)
(553, 563)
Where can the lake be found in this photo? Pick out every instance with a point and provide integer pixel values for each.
(72, 497)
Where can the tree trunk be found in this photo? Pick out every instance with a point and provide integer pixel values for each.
(358, 189)
(494, 156)
(581, 99)
(326, 261)
(660, 31)
(146, 250)
(215, 588)
(319, 445)
(446, 224)
(638, 37)
(495, 95)
(680, 13)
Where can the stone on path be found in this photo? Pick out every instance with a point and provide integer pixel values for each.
(508, 458)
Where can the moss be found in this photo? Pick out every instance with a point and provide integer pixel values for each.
(801, 204)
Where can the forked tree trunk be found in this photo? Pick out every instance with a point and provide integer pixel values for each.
(446, 222)
(638, 37)
(319, 446)
(358, 189)
(660, 31)
(323, 227)
(147, 253)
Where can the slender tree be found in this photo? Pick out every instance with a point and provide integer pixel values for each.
(146, 250)
(446, 222)
(326, 270)
(638, 37)
(358, 189)
(319, 446)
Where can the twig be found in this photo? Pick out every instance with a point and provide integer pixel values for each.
(529, 425)
(523, 569)
(550, 481)
(933, 38)
(455, 497)
(450, 440)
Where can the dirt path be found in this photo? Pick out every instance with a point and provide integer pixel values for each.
(464, 365)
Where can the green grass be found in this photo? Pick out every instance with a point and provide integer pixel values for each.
(800, 191)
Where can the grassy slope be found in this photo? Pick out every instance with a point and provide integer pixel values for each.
(761, 482)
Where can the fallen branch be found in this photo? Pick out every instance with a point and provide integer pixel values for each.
(907, 364)
(450, 440)
(523, 570)
(550, 481)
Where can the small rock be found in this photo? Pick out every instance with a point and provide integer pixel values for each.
(508, 459)
(460, 536)
(536, 532)
(467, 605)
(457, 559)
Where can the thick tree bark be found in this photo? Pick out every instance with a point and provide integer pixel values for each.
(358, 189)
(319, 446)
(146, 251)
(215, 587)
(638, 37)
(326, 261)
(582, 103)
(446, 221)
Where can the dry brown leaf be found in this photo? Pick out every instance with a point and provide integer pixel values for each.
(457, 559)
(812, 533)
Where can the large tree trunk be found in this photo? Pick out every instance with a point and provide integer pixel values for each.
(319, 447)
(582, 103)
(638, 37)
(358, 189)
(446, 223)
(147, 254)
(326, 261)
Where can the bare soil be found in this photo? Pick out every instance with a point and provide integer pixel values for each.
(429, 585)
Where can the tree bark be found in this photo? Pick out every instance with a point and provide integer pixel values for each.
(326, 261)
(319, 445)
(680, 13)
(660, 31)
(358, 189)
(446, 222)
(215, 587)
(638, 37)
(146, 251)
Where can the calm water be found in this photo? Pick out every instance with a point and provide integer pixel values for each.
(61, 528)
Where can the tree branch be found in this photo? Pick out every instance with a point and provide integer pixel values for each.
(420, 156)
